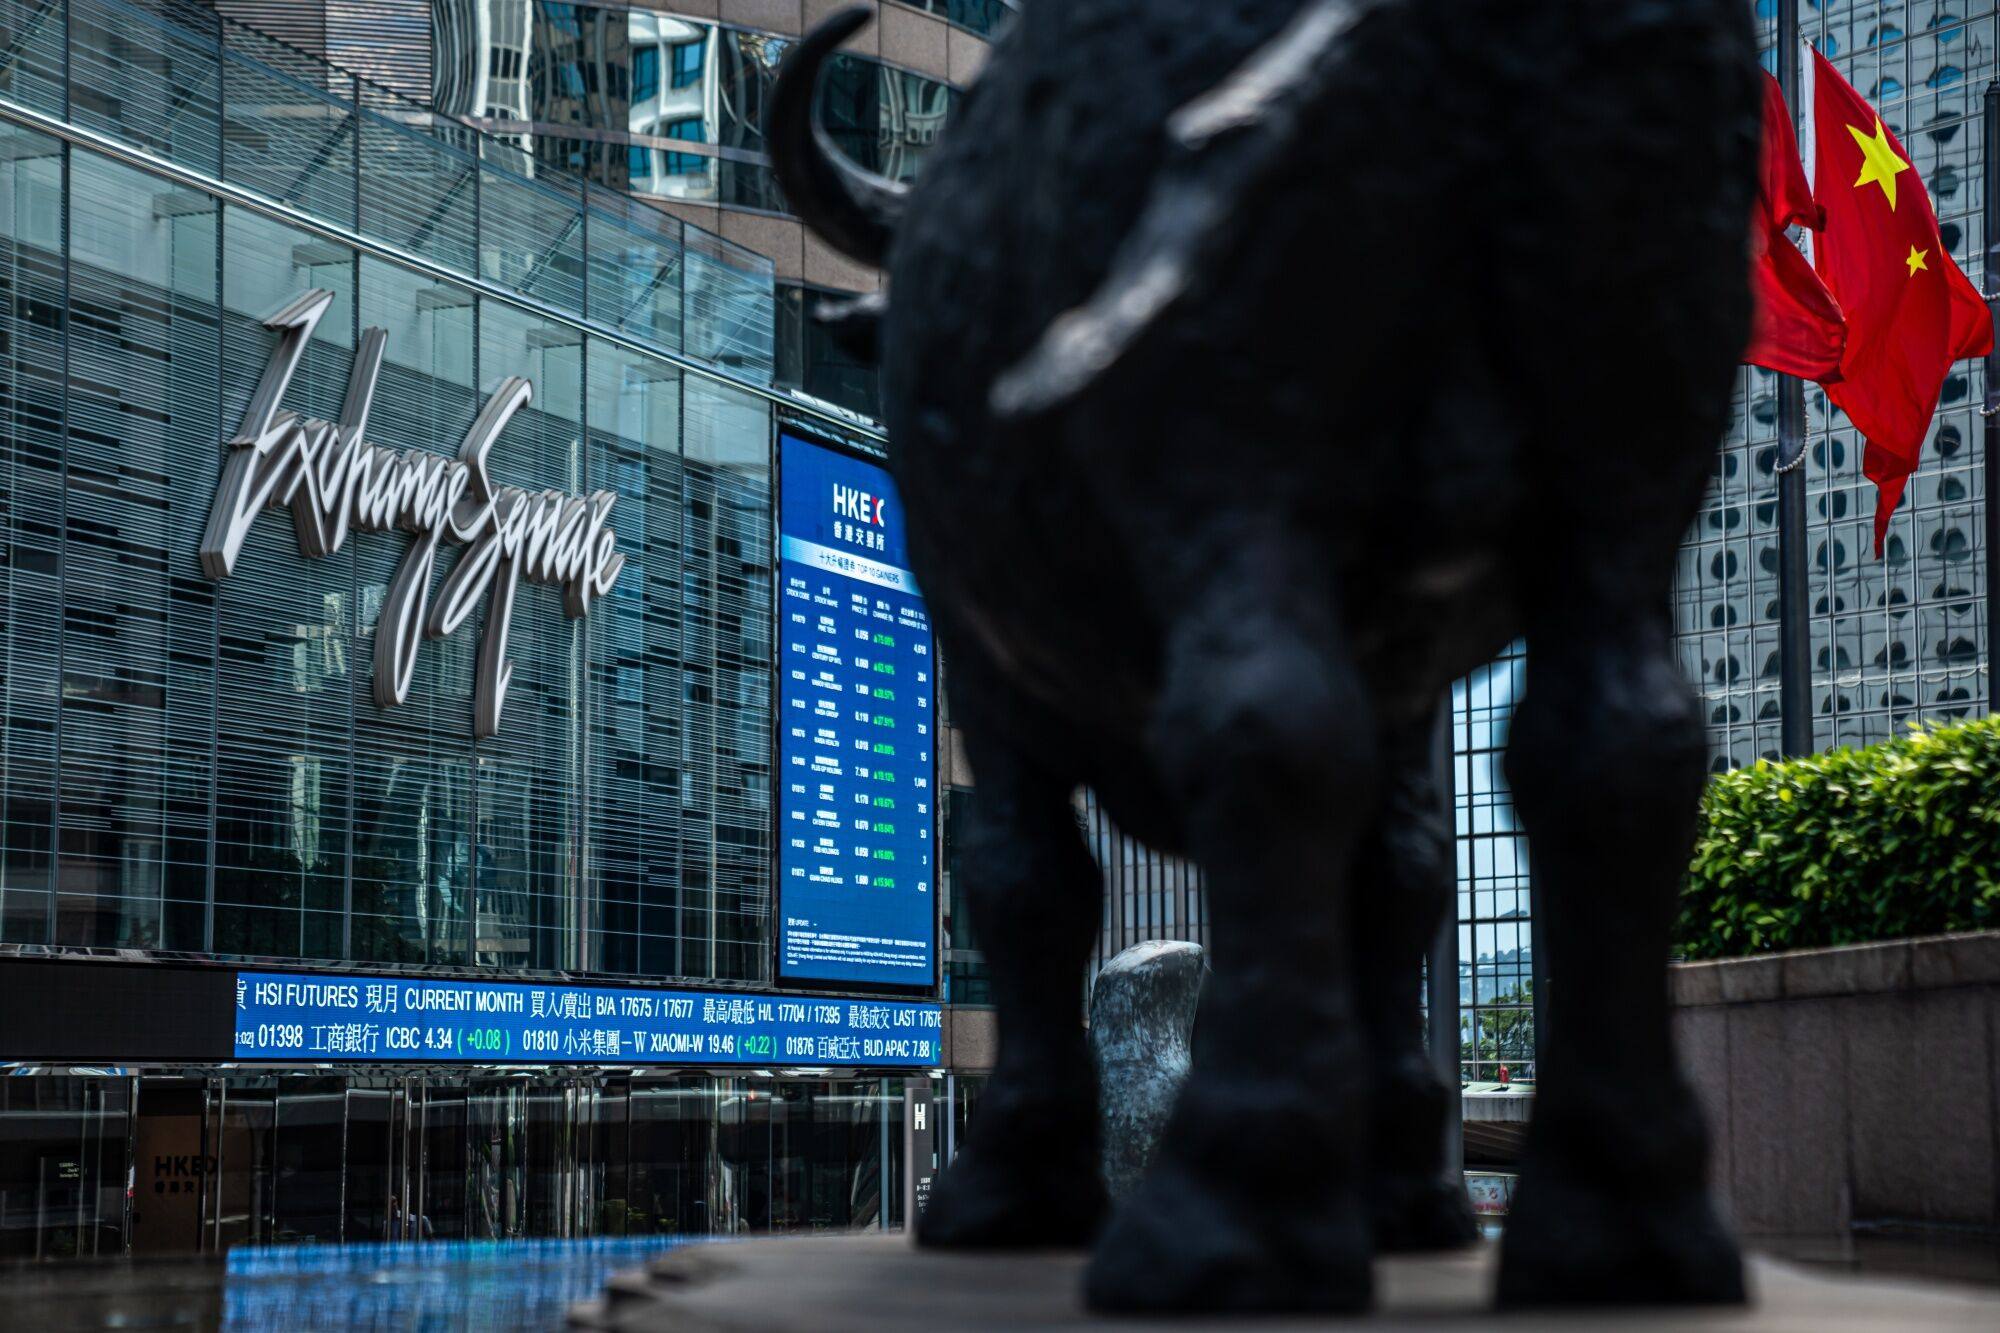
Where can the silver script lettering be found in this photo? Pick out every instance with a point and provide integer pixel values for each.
(335, 482)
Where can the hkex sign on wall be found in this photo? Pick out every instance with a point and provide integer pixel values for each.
(856, 682)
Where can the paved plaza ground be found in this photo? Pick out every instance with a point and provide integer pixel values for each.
(880, 1283)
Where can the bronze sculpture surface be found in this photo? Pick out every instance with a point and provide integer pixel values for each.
(1253, 369)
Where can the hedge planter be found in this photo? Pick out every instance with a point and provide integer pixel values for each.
(1899, 839)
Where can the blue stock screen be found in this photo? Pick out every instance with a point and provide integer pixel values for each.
(293, 1016)
(856, 679)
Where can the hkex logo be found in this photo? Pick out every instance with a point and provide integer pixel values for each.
(853, 503)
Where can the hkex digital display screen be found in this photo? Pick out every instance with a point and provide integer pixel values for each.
(855, 690)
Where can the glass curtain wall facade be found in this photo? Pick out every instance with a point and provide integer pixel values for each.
(197, 766)
(195, 770)
(98, 1165)
(660, 104)
(671, 107)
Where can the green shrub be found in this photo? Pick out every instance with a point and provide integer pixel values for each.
(1898, 839)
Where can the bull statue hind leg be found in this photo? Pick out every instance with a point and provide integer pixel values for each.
(1027, 1176)
(1254, 1198)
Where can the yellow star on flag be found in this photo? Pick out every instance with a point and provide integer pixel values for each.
(1916, 260)
(1879, 162)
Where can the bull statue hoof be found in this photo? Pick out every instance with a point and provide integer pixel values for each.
(989, 1200)
(1585, 1232)
(1417, 1216)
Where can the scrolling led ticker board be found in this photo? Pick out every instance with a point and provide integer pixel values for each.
(856, 682)
(326, 1019)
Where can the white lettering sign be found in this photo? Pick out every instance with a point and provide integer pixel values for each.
(335, 482)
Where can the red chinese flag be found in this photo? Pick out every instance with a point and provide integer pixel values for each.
(1910, 312)
(1796, 327)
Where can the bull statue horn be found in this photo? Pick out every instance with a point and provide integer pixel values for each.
(852, 210)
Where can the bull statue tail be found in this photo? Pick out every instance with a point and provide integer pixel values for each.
(853, 210)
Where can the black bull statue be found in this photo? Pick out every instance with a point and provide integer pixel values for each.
(1253, 369)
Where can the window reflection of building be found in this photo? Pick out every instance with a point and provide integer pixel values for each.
(479, 61)
(912, 117)
(660, 104)
(670, 108)
(674, 96)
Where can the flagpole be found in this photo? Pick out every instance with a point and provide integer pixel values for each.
(1794, 628)
(1990, 283)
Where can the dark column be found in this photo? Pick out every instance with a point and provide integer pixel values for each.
(1990, 502)
(1794, 610)
(1441, 967)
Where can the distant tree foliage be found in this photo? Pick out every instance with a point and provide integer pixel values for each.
(1506, 1037)
(1898, 839)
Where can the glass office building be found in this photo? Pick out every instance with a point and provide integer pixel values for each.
(1893, 641)
(1904, 638)
(195, 771)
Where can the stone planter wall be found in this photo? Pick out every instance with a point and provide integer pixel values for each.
(1854, 1085)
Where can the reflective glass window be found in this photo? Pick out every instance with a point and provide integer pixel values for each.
(33, 340)
(985, 17)
(646, 73)
(607, 88)
(811, 358)
(688, 128)
(688, 59)
(63, 1172)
